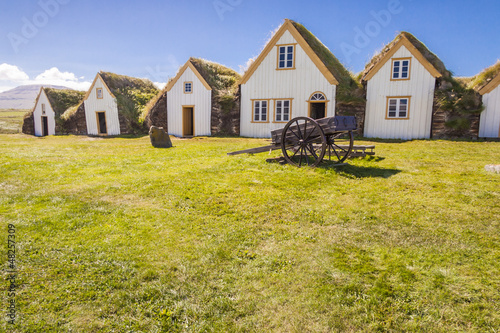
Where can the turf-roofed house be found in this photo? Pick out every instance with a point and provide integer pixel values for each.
(201, 100)
(50, 104)
(487, 83)
(114, 103)
(294, 75)
(400, 83)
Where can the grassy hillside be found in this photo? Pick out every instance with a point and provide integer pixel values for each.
(11, 120)
(114, 235)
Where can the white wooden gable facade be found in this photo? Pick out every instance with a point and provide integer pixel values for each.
(101, 109)
(286, 80)
(489, 124)
(189, 103)
(43, 115)
(400, 94)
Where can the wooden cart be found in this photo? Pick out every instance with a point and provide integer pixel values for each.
(305, 141)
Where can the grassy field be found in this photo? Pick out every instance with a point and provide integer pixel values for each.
(11, 121)
(114, 235)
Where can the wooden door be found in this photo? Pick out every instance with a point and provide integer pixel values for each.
(45, 126)
(188, 121)
(317, 110)
(102, 127)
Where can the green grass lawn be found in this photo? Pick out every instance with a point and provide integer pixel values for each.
(11, 121)
(114, 235)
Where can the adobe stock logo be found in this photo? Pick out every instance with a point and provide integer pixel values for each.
(48, 9)
(372, 29)
(223, 6)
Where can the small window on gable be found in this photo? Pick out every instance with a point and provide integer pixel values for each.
(283, 110)
(260, 109)
(398, 107)
(401, 69)
(43, 108)
(286, 57)
(188, 87)
(99, 93)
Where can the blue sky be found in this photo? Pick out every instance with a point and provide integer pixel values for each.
(69, 41)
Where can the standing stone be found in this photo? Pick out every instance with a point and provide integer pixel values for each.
(158, 137)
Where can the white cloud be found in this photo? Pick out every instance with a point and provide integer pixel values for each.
(11, 76)
(12, 73)
(160, 85)
(54, 76)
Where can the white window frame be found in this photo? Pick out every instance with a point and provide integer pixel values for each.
(282, 112)
(398, 69)
(101, 96)
(288, 61)
(398, 104)
(258, 106)
(43, 108)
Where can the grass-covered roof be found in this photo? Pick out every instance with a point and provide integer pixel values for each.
(426, 53)
(486, 76)
(116, 82)
(63, 99)
(348, 89)
(221, 79)
(335, 67)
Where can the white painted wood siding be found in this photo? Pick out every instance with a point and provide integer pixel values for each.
(421, 89)
(200, 98)
(106, 104)
(489, 124)
(297, 84)
(37, 115)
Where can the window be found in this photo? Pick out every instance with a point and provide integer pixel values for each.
(260, 109)
(286, 56)
(317, 97)
(401, 69)
(43, 108)
(99, 93)
(188, 87)
(398, 107)
(282, 112)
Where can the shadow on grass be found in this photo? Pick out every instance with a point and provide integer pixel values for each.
(353, 171)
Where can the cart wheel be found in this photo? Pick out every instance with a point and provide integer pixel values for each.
(339, 146)
(303, 142)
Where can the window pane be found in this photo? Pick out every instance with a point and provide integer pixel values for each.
(282, 49)
(392, 114)
(289, 64)
(286, 103)
(256, 111)
(290, 49)
(402, 114)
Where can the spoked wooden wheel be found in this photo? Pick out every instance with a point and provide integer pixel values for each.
(303, 142)
(339, 146)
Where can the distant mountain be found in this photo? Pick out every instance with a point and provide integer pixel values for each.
(22, 97)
